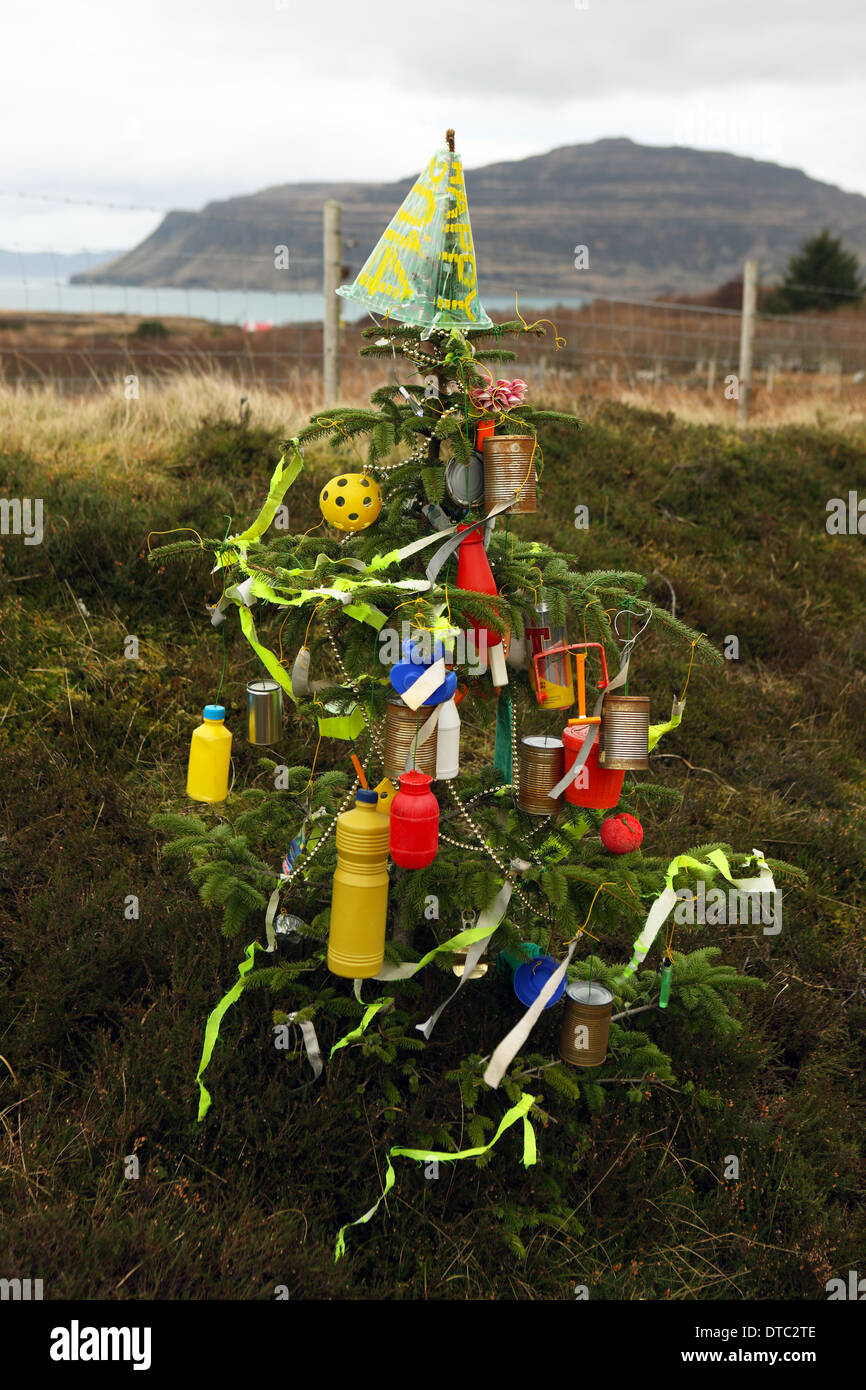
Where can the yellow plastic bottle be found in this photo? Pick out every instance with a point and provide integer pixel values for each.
(359, 900)
(210, 752)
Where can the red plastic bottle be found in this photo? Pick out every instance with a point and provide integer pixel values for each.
(414, 822)
(474, 572)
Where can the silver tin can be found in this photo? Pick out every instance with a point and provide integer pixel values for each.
(401, 727)
(464, 482)
(540, 767)
(624, 733)
(264, 712)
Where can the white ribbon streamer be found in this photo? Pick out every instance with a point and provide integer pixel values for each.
(666, 901)
(430, 679)
(424, 733)
(441, 555)
(311, 1043)
(490, 916)
(513, 1041)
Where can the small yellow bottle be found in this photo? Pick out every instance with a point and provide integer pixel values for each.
(359, 900)
(210, 754)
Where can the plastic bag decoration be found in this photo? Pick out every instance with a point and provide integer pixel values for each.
(422, 269)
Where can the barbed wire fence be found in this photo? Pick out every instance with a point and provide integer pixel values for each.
(77, 337)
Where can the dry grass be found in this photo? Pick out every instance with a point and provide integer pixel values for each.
(104, 426)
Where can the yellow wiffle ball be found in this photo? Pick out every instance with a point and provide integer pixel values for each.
(351, 501)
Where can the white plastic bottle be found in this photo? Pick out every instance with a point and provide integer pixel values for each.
(448, 743)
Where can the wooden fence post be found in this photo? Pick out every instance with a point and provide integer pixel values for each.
(747, 339)
(333, 260)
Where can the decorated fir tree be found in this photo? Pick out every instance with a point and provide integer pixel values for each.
(482, 743)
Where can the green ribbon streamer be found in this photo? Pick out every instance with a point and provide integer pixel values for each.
(270, 662)
(454, 943)
(657, 731)
(212, 1027)
(281, 480)
(517, 1112)
(362, 1026)
(664, 904)
(347, 726)
(502, 755)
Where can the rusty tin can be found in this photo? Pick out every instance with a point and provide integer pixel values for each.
(586, 1025)
(509, 472)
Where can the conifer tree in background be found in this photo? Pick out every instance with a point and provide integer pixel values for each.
(821, 275)
(425, 415)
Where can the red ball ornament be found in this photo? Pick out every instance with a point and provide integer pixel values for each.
(414, 822)
(621, 834)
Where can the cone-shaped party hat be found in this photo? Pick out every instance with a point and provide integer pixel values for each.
(422, 270)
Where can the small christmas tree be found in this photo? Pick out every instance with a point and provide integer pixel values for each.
(518, 873)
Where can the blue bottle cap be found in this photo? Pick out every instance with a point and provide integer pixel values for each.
(214, 712)
(531, 977)
(367, 796)
(405, 673)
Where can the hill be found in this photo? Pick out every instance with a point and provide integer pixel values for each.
(656, 221)
(58, 263)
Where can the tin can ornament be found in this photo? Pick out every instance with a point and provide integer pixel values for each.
(458, 962)
(540, 767)
(351, 502)
(403, 744)
(464, 482)
(624, 733)
(509, 472)
(586, 1025)
(414, 822)
(210, 753)
(264, 713)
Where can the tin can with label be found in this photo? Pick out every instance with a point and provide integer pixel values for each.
(554, 686)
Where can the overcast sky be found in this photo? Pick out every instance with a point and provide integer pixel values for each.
(172, 103)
